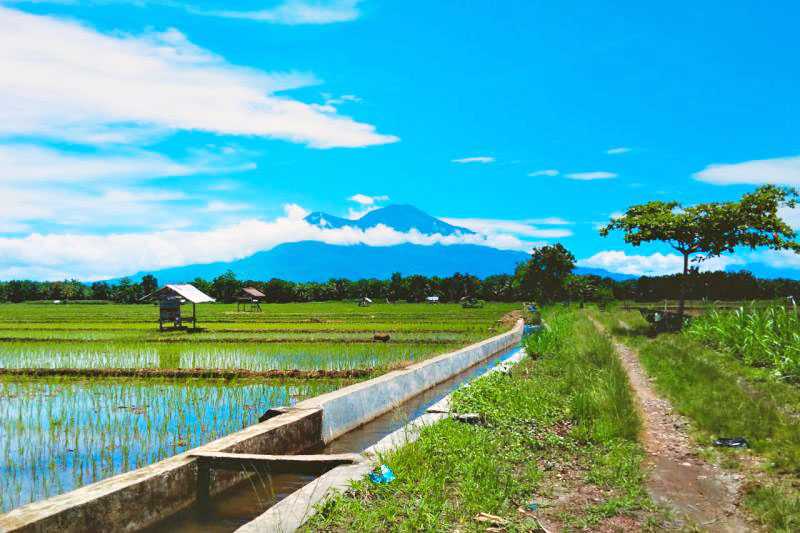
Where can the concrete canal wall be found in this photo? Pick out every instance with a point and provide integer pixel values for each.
(143, 497)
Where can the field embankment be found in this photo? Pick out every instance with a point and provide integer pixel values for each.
(717, 375)
(90, 391)
(557, 448)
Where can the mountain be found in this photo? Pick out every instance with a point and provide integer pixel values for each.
(318, 261)
(586, 271)
(402, 218)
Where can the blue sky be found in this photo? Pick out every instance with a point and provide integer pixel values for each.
(143, 134)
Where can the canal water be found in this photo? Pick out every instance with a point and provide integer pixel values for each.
(249, 499)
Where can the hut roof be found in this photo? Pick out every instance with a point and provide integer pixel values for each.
(252, 291)
(186, 291)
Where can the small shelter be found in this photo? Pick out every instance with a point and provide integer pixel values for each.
(364, 302)
(249, 299)
(170, 298)
(470, 302)
(432, 299)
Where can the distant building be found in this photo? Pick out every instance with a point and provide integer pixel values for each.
(249, 299)
(432, 299)
(171, 297)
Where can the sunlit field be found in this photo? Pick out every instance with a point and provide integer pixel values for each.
(58, 433)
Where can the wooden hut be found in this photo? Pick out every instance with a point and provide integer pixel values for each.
(365, 301)
(249, 299)
(170, 298)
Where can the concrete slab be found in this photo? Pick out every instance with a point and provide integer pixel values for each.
(276, 464)
(143, 497)
(292, 512)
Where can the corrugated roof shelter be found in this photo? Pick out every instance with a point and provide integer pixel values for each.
(186, 291)
(252, 291)
(249, 299)
(170, 298)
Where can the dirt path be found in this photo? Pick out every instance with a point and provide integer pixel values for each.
(700, 494)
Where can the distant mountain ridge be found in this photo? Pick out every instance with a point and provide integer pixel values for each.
(318, 261)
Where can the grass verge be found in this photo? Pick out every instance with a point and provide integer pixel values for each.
(560, 431)
(724, 397)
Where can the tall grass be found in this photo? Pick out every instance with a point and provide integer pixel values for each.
(599, 392)
(711, 383)
(761, 337)
(568, 404)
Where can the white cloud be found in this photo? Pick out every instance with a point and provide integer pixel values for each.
(363, 199)
(70, 206)
(477, 159)
(656, 264)
(63, 80)
(547, 172)
(778, 171)
(491, 226)
(588, 176)
(777, 258)
(368, 203)
(618, 150)
(56, 256)
(296, 12)
(219, 206)
(25, 163)
(223, 186)
(791, 216)
(549, 221)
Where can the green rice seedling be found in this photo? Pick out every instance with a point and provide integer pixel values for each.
(60, 434)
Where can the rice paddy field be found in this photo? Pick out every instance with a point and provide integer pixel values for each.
(60, 432)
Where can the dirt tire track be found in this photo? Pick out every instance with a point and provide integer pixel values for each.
(700, 494)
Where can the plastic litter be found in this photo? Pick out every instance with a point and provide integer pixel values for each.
(736, 442)
(382, 474)
(533, 506)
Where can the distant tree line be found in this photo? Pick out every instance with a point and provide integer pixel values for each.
(546, 277)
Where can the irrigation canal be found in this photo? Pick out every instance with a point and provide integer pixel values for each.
(244, 502)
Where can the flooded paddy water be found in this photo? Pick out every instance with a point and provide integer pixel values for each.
(59, 433)
(244, 502)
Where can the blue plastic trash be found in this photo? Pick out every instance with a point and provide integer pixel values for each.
(382, 474)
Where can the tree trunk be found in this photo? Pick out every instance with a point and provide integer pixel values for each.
(684, 281)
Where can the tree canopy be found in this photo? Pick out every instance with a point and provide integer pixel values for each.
(711, 229)
(544, 275)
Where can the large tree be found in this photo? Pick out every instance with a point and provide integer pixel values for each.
(149, 284)
(544, 275)
(702, 231)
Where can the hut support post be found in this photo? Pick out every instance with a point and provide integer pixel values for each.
(194, 316)
(203, 484)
